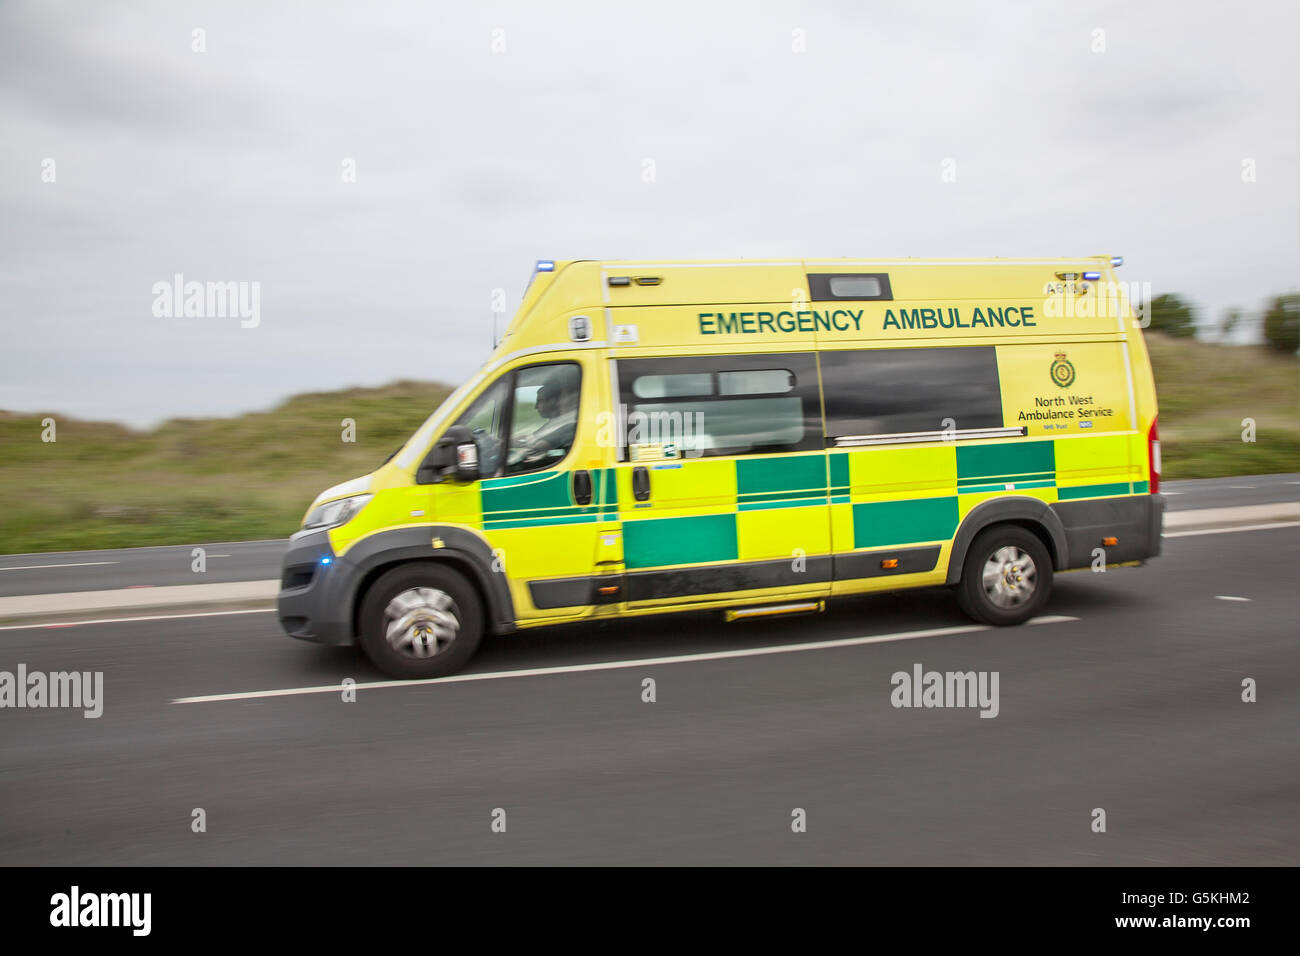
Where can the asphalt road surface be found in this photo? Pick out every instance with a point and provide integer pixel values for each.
(59, 571)
(1134, 707)
(56, 572)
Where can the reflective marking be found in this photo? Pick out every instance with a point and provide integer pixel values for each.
(1229, 597)
(1128, 374)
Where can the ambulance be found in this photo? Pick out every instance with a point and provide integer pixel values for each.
(755, 437)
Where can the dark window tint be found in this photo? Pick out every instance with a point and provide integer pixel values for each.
(860, 286)
(721, 405)
(887, 391)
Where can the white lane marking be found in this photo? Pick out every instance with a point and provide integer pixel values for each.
(153, 547)
(1242, 487)
(79, 564)
(1244, 527)
(620, 665)
(124, 620)
(1229, 597)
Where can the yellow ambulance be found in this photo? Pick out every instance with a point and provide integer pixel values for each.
(754, 437)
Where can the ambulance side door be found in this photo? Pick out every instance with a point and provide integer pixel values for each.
(542, 501)
(722, 485)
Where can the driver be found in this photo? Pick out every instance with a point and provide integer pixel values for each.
(557, 403)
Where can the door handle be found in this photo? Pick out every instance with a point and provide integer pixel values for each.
(640, 483)
(582, 487)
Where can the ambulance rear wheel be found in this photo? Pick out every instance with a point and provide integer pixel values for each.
(420, 620)
(1007, 577)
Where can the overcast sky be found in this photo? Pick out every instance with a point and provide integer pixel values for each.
(471, 163)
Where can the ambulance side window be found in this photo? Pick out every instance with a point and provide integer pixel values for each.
(543, 416)
(892, 391)
(526, 420)
(719, 405)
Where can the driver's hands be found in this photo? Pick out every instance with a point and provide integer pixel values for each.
(530, 452)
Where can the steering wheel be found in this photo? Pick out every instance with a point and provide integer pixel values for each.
(531, 449)
(489, 451)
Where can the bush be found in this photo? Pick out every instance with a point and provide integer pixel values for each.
(1173, 316)
(1282, 323)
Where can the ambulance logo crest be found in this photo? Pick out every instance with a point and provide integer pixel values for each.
(1062, 371)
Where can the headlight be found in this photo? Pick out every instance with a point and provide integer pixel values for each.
(335, 513)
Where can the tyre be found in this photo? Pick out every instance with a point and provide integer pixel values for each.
(1007, 577)
(420, 620)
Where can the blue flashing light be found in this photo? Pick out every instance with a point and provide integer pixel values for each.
(1091, 276)
(545, 265)
(326, 560)
(1116, 261)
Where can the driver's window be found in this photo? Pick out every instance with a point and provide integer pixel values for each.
(544, 418)
(485, 419)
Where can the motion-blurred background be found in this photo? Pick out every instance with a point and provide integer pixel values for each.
(387, 173)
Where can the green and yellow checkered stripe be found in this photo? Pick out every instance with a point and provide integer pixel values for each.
(889, 495)
(546, 498)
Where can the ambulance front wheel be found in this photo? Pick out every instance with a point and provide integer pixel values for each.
(420, 620)
(1007, 577)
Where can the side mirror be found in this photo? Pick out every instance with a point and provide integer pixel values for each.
(455, 453)
(466, 461)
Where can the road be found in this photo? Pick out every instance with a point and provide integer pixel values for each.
(59, 571)
(1134, 706)
(56, 572)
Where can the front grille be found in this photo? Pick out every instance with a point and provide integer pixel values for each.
(298, 576)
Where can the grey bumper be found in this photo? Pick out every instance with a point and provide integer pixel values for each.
(1136, 520)
(315, 591)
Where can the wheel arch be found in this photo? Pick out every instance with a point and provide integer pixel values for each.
(461, 549)
(1029, 513)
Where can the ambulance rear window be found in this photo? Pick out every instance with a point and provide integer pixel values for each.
(859, 286)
